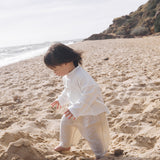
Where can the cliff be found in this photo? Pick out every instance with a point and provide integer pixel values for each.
(143, 22)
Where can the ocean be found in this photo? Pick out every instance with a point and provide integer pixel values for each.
(9, 55)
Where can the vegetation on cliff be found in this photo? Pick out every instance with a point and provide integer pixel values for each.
(144, 21)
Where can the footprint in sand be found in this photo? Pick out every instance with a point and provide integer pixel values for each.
(144, 141)
(135, 108)
(6, 123)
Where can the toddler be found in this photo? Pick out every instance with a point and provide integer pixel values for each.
(86, 112)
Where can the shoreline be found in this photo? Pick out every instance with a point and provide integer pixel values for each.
(72, 44)
(26, 51)
(130, 83)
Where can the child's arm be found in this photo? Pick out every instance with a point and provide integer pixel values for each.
(90, 92)
(63, 98)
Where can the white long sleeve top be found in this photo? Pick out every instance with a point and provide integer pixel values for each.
(82, 94)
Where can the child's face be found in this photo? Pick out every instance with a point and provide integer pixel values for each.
(60, 70)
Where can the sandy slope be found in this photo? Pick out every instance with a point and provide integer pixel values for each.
(130, 82)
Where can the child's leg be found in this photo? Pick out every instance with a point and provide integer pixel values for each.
(67, 131)
(97, 135)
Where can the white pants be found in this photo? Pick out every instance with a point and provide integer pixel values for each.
(94, 129)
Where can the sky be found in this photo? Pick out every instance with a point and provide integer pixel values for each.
(38, 21)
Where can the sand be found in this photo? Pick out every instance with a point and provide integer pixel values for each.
(130, 82)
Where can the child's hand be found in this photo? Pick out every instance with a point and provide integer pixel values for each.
(56, 103)
(69, 114)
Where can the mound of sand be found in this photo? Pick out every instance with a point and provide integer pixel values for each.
(22, 150)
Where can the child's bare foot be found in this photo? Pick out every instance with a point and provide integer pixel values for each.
(60, 149)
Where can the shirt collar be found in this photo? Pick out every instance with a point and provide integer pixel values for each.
(73, 71)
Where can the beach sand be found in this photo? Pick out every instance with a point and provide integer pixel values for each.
(127, 70)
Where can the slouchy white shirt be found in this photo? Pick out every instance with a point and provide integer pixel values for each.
(82, 94)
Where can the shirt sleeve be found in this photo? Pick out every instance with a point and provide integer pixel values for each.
(90, 90)
(63, 98)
